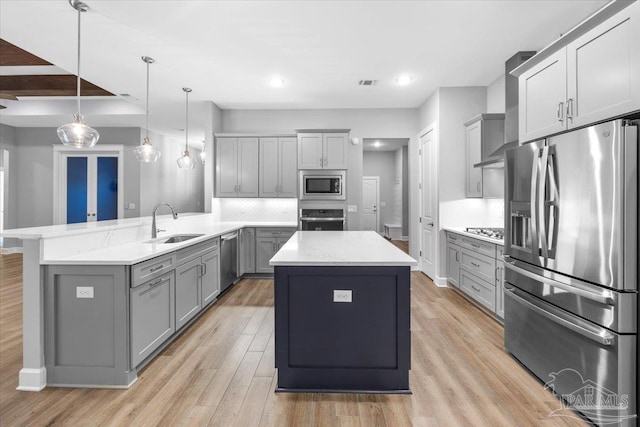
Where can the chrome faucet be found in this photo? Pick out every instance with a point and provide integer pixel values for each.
(154, 230)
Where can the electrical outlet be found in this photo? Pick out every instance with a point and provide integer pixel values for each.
(352, 208)
(84, 291)
(340, 295)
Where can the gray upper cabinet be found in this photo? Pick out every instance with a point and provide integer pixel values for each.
(237, 167)
(322, 150)
(473, 156)
(278, 171)
(592, 78)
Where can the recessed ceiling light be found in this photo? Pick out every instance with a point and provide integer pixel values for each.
(404, 80)
(276, 81)
(377, 144)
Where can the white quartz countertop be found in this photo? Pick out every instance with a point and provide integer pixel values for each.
(459, 230)
(105, 245)
(340, 248)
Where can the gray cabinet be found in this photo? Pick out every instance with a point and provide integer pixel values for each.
(476, 267)
(453, 265)
(590, 79)
(247, 251)
(237, 167)
(322, 150)
(268, 242)
(197, 279)
(152, 314)
(278, 167)
(484, 134)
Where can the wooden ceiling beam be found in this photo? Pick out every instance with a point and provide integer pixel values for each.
(12, 55)
(48, 85)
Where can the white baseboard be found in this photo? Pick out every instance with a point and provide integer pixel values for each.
(404, 238)
(440, 282)
(16, 250)
(31, 379)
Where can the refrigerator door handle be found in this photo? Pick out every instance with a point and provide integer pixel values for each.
(534, 204)
(554, 204)
(542, 188)
(599, 335)
(603, 297)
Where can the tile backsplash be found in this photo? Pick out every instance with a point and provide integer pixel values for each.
(255, 209)
(472, 213)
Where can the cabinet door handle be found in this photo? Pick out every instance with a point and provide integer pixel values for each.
(151, 270)
(204, 269)
(497, 272)
(457, 259)
(570, 109)
(559, 111)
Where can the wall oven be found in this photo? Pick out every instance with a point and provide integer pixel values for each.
(322, 185)
(322, 219)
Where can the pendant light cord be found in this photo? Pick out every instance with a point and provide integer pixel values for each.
(78, 77)
(147, 99)
(186, 140)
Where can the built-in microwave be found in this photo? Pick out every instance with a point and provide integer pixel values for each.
(322, 185)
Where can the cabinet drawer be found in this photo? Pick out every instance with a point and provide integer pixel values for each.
(476, 245)
(152, 268)
(188, 253)
(483, 292)
(456, 239)
(275, 232)
(480, 265)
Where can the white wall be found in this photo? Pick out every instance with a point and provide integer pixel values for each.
(364, 123)
(164, 181)
(382, 164)
(213, 126)
(7, 157)
(496, 96)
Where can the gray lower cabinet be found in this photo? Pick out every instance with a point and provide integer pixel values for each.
(188, 302)
(152, 314)
(247, 251)
(268, 242)
(476, 268)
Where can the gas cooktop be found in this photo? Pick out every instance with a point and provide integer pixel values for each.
(494, 233)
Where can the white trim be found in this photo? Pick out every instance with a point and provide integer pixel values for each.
(433, 127)
(12, 250)
(60, 152)
(32, 379)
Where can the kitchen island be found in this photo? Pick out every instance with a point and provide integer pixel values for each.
(101, 299)
(342, 313)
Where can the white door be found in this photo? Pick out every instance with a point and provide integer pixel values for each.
(428, 238)
(370, 218)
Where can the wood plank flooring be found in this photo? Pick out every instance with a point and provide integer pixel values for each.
(220, 373)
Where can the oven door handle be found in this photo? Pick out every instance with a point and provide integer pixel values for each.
(603, 297)
(598, 335)
(321, 219)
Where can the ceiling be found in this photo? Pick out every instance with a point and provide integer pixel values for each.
(226, 51)
(383, 144)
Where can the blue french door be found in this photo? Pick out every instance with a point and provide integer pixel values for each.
(92, 188)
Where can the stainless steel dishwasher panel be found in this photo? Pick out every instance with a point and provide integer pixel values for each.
(228, 260)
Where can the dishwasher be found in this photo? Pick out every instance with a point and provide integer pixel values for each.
(228, 260)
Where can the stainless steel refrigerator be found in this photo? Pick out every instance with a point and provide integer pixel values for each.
(571, 284)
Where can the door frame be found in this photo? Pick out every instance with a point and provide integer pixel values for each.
(60, 169)
(433, 127)
(377, 179)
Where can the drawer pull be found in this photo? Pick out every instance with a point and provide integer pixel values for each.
(475, 265)
(475, 245)
(475, 289)
(156, 268)
(154, 285)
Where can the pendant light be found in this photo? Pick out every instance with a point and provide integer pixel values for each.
(77, 134)
(186, 161)
(203, 155)
(147, 153)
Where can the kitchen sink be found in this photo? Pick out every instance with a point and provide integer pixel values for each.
(177, 238)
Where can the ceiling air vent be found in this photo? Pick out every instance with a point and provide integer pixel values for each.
(367, 82)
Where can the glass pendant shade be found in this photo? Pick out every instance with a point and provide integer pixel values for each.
(146, 153)
(186, 161)
(77, 134)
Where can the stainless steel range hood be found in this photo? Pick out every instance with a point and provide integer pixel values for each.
(496, 158)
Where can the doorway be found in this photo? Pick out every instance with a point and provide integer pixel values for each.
(370, 218)
(88, 185)
(428, 233)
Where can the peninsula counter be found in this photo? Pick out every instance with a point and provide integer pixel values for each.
(342, 313)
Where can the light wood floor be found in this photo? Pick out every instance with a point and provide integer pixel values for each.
(220, 372)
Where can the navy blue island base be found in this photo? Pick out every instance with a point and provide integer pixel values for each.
(362, 346)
